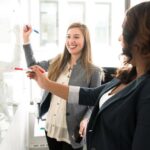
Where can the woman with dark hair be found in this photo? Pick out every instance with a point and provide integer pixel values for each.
(74, 66)
(120, 119)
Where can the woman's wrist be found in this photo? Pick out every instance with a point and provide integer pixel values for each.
(26, 41)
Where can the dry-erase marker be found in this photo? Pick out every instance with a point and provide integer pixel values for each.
(36, 31)
(23, 69)
(27, 70)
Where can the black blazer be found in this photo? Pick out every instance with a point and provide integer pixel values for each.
(123, 121)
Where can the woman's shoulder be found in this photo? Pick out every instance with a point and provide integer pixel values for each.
(95, 67)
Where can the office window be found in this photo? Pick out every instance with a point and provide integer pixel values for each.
(102, 23)
(48, 23)
(76, 12)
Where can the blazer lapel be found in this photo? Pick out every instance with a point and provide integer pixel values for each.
(125, 92)
(45, 94)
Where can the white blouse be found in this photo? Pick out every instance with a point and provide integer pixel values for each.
(56, 125)
(105, 97)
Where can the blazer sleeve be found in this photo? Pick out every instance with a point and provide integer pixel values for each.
(84, 96)
(30, 59)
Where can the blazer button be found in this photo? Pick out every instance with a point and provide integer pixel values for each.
(67, 114)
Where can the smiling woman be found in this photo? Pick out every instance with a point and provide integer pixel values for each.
(73, 67)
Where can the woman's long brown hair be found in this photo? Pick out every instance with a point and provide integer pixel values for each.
(136, 32)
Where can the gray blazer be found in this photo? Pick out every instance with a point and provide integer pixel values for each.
(74, 113)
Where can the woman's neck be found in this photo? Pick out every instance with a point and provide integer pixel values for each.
(141, 70)
(73, 60)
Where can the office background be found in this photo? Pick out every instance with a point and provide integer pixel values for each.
(19, 96)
